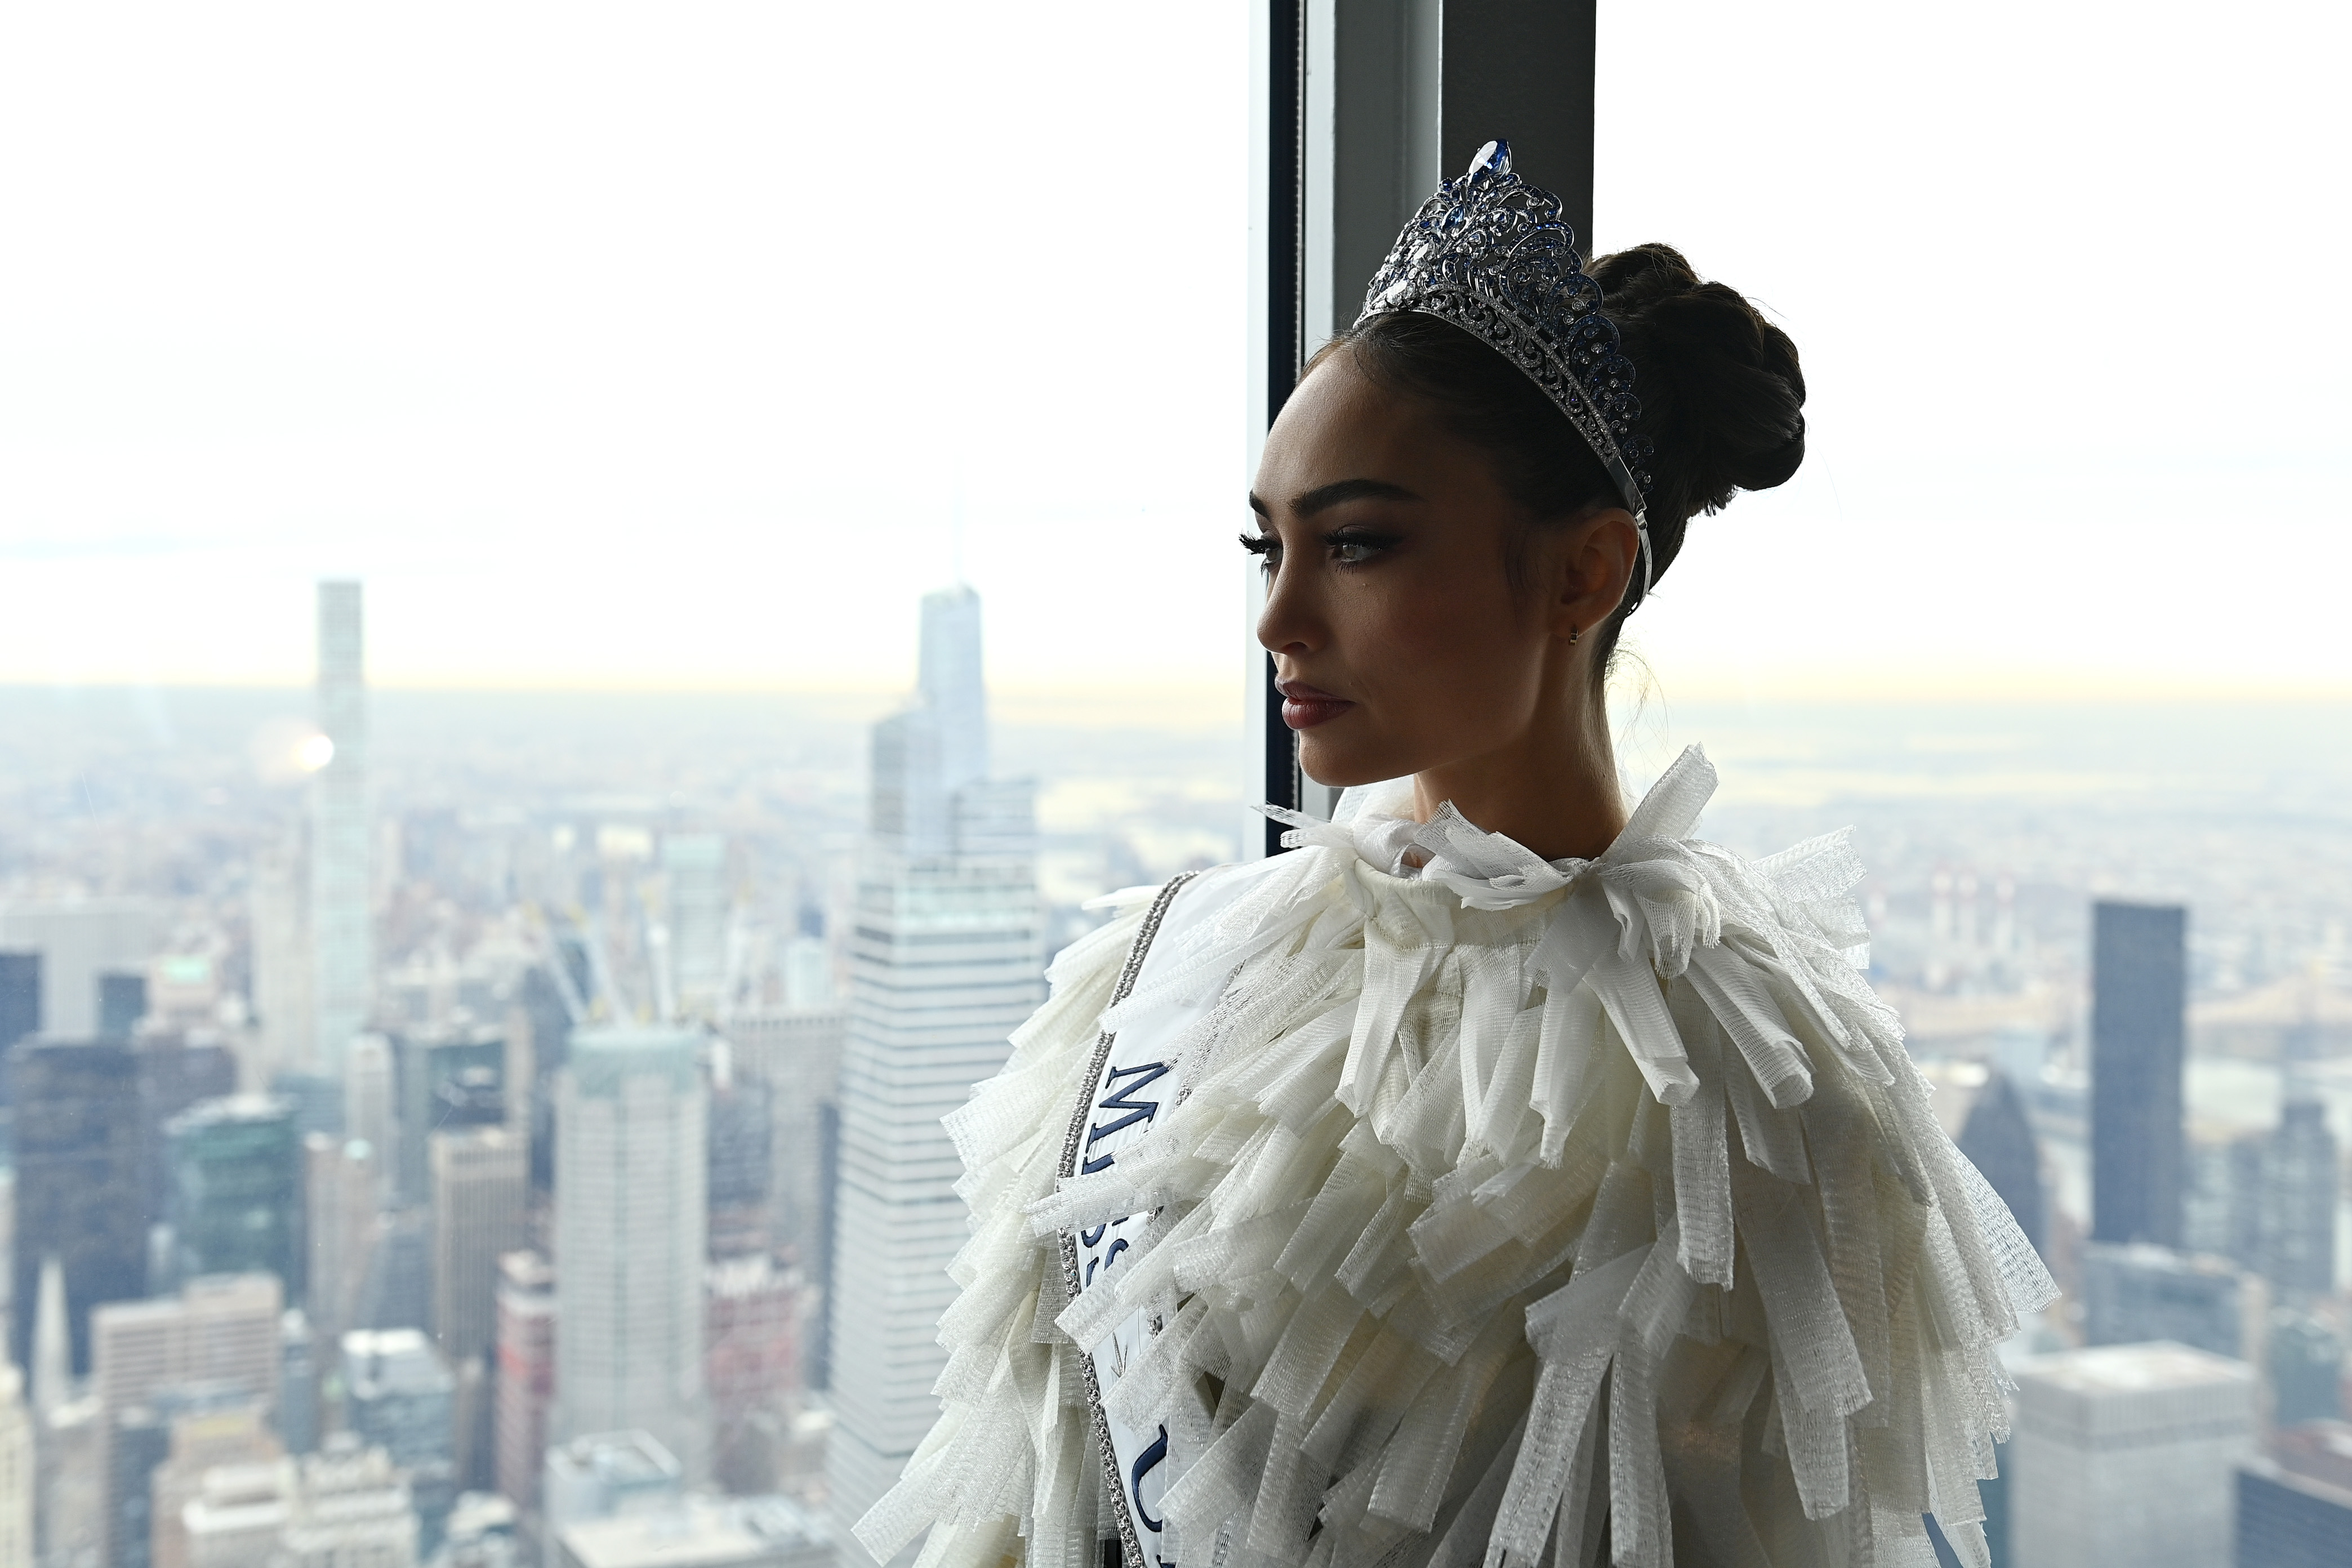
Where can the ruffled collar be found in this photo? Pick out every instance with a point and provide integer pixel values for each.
(1489, 871)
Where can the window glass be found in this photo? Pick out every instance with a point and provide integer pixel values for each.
(2048, 619)
(471, 481)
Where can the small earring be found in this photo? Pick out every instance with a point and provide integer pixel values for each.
(1572, 634)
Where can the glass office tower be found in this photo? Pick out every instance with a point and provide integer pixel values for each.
(946, 962)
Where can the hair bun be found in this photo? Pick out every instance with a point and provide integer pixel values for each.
(1721, 392)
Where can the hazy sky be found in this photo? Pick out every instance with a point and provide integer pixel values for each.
(665, 345)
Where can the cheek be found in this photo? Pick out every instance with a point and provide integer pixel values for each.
(1457, 643)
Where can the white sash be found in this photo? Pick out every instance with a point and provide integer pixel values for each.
(1117, 1102)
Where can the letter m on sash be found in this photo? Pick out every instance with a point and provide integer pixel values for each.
(1117, 1097)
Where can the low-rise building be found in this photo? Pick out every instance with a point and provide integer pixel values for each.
(351, 1509)
(604, 1475)
(344, 1507)
(700, 1532)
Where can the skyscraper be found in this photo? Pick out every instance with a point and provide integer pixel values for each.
(630, 1219)
(399, 1396)
(20, 1004)
(2295, 1504)
(172, 1077)
(220, 1331)
(795, 1052)
(2297, 1177)
(236, 1190)
(398, 1291)
(2208, 1197)
(339, 1211)
(298, 1381)
(2122, 1456)
(17, 1478)
(752, 1349)
(78, 941)
(953, 684)
(2134, 1294)
(695, 865)
(52, 1370)
(526, 1375)
(445, 1080)
(945, 963)
(370, 1109)
(743, 1147)
(1998, 1140)
(2139, 976)
(81, 1182)
(278, 911)
(2304, 1363)
(481, 1176)
(340, 948)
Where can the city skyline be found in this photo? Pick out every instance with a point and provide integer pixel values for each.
(553, 882)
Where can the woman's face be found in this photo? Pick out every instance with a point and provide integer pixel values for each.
(1402, 644)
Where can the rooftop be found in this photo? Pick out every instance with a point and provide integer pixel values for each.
(704, 1533)
(620, 1458)
(2133, 1368)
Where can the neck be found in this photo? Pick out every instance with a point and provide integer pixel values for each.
(1553, 787)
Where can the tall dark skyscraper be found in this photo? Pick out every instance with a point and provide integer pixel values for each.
(236, 1190)
(81, 1182)
(2139, 1004)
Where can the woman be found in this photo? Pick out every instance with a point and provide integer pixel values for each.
(1503, 1172)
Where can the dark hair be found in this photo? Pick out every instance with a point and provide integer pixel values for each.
(1722, 401)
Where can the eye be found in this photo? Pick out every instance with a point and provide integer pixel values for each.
(1264, 546)
(1356, 547)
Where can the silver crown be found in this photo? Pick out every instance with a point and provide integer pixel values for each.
(1491, 254)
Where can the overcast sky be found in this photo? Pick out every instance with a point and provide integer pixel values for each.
(667, 345)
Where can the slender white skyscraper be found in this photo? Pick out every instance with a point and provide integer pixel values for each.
(952, 686)
(631, 1223)
(341, 960)
(946, 962)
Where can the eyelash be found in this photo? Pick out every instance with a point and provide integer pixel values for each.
(1266, 546)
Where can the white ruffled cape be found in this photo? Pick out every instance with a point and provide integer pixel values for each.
(1511, 1207)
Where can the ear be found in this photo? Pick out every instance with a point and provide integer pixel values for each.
(1599, 552)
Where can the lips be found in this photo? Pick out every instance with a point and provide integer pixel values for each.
(1305, 706)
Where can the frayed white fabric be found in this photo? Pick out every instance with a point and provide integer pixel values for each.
(1503, 1209)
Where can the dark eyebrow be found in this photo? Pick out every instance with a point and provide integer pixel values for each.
(1324, 497)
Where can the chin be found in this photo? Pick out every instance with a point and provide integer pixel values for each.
(1343, 768)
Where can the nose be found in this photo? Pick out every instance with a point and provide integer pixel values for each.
(1292, 623)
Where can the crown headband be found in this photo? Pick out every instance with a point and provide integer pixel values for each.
(1491, 254)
